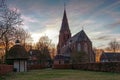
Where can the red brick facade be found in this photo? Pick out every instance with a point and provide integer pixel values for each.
(65, 33)
(67, 45)
(5, 68)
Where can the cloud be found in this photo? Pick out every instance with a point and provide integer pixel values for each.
(29, 19)
(105, 8)
(113, 14)
(103, 38)
(44, 17)
(83, 6)
(51, 29)
(113, 25)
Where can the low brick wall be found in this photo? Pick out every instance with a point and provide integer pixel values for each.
(62, 66)
(104, 67)
(5, 69)
(31, 67)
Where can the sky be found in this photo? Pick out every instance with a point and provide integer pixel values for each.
(99, 18)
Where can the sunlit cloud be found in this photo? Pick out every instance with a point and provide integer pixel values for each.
(29, 19)
(105, 8)
(103, 38)
(99, 18)
(114, 25)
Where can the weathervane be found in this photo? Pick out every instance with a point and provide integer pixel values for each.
(83, 27)
(64, 5)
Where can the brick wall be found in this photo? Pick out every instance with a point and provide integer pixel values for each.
(31, 67)
(62, 66)
(5, 69)
(104, 67)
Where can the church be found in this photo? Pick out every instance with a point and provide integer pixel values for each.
(69, 45)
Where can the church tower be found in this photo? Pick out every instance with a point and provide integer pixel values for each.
(64, 33)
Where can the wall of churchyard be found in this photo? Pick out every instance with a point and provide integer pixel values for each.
(36, 66)
(104, 67)
(5, 69)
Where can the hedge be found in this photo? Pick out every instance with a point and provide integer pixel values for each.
(104, 66)
(4, 68)
(37, 66)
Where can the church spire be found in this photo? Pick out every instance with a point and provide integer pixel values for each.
(65, 25)
(65, 33)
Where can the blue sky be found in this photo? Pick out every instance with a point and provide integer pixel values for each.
(100, 18)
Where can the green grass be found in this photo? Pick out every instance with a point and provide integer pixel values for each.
(49, 74)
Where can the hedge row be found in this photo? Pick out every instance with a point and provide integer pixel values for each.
(105, 67)
(32, 67)
(62, 66)
(5, 68)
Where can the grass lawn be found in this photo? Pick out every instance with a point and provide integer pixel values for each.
(49, 74)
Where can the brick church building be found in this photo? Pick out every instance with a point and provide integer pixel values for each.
(69, 45)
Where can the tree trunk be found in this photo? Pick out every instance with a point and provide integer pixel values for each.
(6, 47)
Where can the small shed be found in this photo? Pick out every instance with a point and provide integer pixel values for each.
(19, 56)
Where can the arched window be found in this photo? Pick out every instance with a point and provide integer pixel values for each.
(79, 47)
(86, 47)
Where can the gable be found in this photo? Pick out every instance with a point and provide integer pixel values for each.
(80, 36)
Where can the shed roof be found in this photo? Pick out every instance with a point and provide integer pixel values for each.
(17, 52)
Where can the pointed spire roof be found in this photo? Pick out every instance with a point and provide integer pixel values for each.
(65, 25)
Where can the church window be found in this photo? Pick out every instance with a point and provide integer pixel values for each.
(79, 47)
(59, 62)
(86, 48)
(30, 52)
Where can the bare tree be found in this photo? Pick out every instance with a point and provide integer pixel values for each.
(53, 51)
(10, 20)
(44, 46)
(22, 35)
(44, 42)
(114, 46)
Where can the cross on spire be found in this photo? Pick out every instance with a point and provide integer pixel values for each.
(65, 25)
(64, 5)
(83, 27)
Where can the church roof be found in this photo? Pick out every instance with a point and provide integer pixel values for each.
(65, 25)
(80, 36)
(17, 52)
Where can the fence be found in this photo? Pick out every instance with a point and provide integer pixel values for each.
(5, 69)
